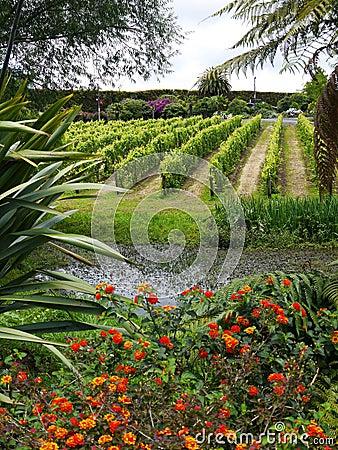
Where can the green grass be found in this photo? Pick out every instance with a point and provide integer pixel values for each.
(287, 150)
(158, 222)
(279, 223)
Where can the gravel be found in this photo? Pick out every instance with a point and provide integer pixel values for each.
(167, 278)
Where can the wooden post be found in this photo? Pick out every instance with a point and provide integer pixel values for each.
(211, 183)
(116, 181)
(268, 185)
(164, 184)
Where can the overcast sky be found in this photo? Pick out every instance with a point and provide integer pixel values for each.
(208, 45)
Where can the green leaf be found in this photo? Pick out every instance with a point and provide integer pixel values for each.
(76, 239)
(60, 189)
(17, 188)
(14, 203)
(18, 335)
(53, 302)
(36, 155)
(62, 326)
(75, 285)
(6, 125)
(8, 400)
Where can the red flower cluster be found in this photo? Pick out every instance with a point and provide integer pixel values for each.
(197, 289)
(117, 338)
(126, 369)
(139, 355)
(256, 312)
(213, 333)
(334, 337)
(75, 440)
(62, 404)
(299, 308)
(230, 341)
(109, 289)
(224, 413)
(152, 299)
(278, 310)
(253, 391)
(165, 340)
(103, 288)
(314, 430)
(180, 405)
(277, 378)
(203, 354)
(301, 388)
(243, 321)
(238, 295)
(21, 376)
(75, 347)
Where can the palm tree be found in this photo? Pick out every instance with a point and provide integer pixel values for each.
(213, 81)
(301, 32)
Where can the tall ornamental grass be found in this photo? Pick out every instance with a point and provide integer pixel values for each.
(304, 219)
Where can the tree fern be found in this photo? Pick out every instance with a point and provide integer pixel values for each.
(326, 134)
(296, 28)
(330, 291)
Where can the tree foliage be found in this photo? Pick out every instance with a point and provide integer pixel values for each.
(59, 42)
(313, 88)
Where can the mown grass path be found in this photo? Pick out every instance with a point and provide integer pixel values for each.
(250, 176)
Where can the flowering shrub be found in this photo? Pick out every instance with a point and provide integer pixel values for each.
(169, 376)
(158, 105)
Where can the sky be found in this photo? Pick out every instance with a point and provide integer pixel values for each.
(208, 44)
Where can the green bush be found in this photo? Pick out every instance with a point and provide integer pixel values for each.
(237, 106)
(230, 151)
(305, 133)
(273, 156)
(176, 166)
(175, 109)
